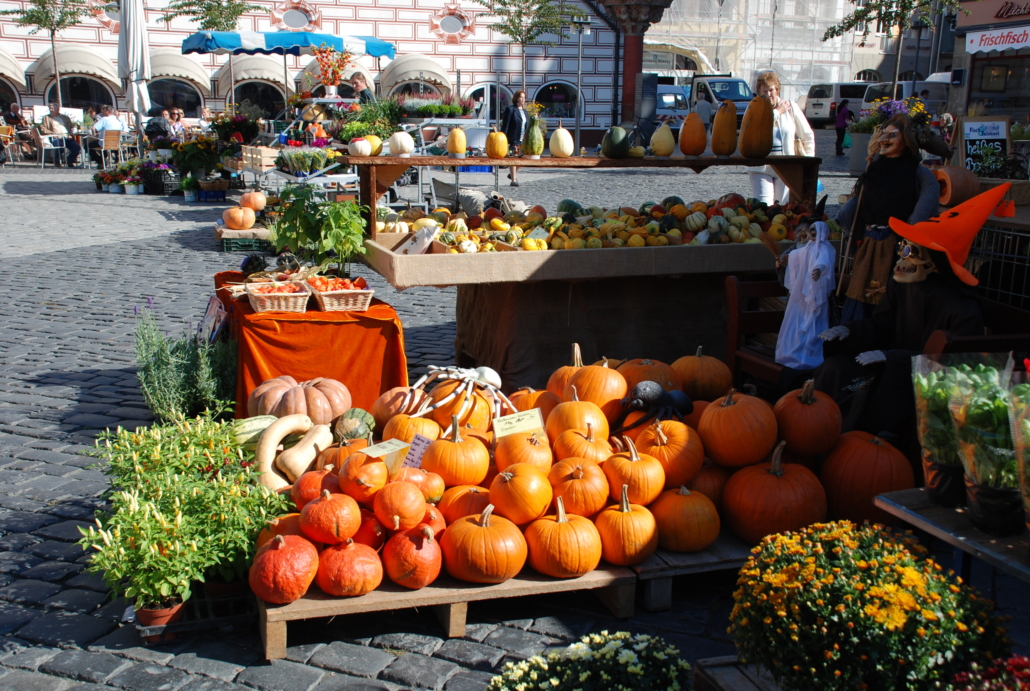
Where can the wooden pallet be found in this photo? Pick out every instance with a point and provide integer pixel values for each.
(655, 574)
(729, 674)
(614, 586)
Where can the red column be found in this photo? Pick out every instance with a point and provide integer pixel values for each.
(632, 63)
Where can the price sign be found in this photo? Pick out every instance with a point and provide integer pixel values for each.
(391, 451)
(539, 233)
(525, 421)
(983, 139)
(419, 444)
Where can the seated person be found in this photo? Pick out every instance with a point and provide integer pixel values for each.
(158, 126)
(22, 127)
(61, 125)
(108, 122)
(205, 119)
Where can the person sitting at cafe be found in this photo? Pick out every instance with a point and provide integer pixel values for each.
(205, 119)
(108, 122)
(60, 127)
(22, 127)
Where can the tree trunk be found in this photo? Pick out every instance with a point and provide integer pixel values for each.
(232, 84)
(57, 72)
(897, 59)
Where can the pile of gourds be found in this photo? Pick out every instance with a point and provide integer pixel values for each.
(560, 499)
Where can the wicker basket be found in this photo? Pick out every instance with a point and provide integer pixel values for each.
(343, 300)
(214, 185)
(278, 302)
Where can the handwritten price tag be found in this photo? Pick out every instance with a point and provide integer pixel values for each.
(418, 448)
(392, 452)
(525, 421)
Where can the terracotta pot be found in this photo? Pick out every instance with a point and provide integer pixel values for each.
(161, 617)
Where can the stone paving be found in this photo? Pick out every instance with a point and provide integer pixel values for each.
(77, 262)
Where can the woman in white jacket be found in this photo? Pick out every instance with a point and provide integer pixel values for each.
(792, 136)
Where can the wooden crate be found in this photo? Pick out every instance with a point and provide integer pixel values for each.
(259, 157)
(729, 674)
(448, 597)
(656, 574)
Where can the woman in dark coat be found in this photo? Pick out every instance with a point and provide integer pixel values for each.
(513, 123)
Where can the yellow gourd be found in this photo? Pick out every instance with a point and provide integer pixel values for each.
(693, 138)
(724, 130)
(561, 143)
(496, 144)
(376, 142)
(756, 131)
(456, 142)
(662, 141)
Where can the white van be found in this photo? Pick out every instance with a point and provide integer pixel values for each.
(823, 99)
(936, 103)
(673, 106)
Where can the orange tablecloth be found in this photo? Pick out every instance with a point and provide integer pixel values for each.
(364, 350)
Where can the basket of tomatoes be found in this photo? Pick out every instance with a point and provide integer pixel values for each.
(276, 296)
(340, 294)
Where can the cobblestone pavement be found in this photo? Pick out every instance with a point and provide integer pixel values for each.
(76, 263)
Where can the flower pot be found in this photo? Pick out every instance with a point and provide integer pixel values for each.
(331, 91)
(132, 189)
(116, 189)
(105, 187)
(944, 483)
(161, 617)
(859, 151)
(996, 512)
(191, 195)
(100, 185)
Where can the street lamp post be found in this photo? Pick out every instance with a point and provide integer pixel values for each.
(582, 27)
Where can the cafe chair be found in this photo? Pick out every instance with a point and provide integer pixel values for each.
(111, 145)
(7, 142)
(45, 143)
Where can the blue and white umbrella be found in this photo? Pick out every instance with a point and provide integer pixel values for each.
(282, 43)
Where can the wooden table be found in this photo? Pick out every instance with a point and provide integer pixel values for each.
(656, 574)
(1008, 554)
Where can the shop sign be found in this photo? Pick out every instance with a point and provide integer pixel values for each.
(654, 60)
(999, 39)
(1012, 9)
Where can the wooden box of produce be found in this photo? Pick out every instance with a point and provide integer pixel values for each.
(259, 157)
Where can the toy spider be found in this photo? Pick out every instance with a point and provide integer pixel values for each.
(660, 404)
(483, 377)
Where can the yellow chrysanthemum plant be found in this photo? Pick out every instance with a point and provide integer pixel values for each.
(839, 606)
(619, 661)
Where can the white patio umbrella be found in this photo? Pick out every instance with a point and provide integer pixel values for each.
(134, 58)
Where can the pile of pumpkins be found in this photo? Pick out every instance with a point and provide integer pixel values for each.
(561, 499)
(244, 215)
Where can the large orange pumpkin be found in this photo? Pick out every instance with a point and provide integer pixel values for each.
(412, 558)
(703, 377)
(483, 548)
(322, 400)
(521, 493)
(629, 534)
(524, 447)
(405, 427)
(349, 570)
(677, 447)
(400, 505)
(253, 199)
(576, 414)
(643, 476)
(239, 218)
(772, 498)
(283, 569)
(458, 460)
(393, 403)
(600, 385)
(578, 443)
(710, 481)
(581, 484)
(563, 545)
(332, 518)
(756, 130)
(687, 521)
(859, 467)
(737, 430)
(808, 420)
(362, 477)
(478, 414)
(643, 369)
(309, 486)
(463, 500)
(527, 398)
(560, 377)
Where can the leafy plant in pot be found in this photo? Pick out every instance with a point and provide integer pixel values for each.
(318, 228)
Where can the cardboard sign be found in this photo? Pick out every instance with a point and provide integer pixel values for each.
(539, 233)
(391, 451)
(979, 134)
(525, 421)
(419, 444)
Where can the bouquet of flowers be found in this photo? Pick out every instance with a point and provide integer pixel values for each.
(331, 63)
(297, 99)
(153, 165)
(237, 128)
(133, 180)
(158, 143)
(199, 154)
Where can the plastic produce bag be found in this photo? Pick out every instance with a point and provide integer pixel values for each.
(942, 469)
(1019, 420)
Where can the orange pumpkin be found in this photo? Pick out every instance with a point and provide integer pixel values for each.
(332, 518)
(405, 428)
(756, 129)
(337, 454)
(239, 218)
(576, 414)
(463, 500)
(362, 477)
(563, 545)
(349, 570)
(677, 447)
(521, 493)
(322, 400)
(431, 484)
(557, 381)
(710, 481)
(400, 399)
(458, 461)
(687, 521)
(693, 136)
(643, 476)
(400, 505)
(254, 200)
(601, 386)
(283, 569)
(703, 377)
(483, 548)
(694, 419)
(478, 414)
(283, 525)
(412, 558)
(527, 399)
(435, 520)
(627, 424)
(371, 531)
(309, 486)
(577, 443)
(724, 129)
(860, 467)
(772, 498)
(737, 430)
(581, 484)
(808, 420)
(629, 534)
(524, 447)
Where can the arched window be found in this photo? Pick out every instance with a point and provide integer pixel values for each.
(479, 92)
(909, 76)
(867, 76)
(416, 90)
(81, 92)
(344, 90)
(262, 95)
(176, 93)
(8, 95)
(558, 100)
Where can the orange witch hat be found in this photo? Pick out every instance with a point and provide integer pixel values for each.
(952, 232)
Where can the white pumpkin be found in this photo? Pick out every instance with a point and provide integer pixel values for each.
(401, 144)
(696, 221)
(359, 147)
(561, 143)
(662, 141)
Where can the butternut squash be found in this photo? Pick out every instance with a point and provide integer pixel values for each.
(264, 456)
(724, 130)
(299, 459)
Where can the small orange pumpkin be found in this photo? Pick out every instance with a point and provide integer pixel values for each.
(687, 521)
(309, 486)
(808, 420)
(527, 398)
(677, 447)
(629, 534)
(371, 531)
(254, 200)
(458, 461)
(463, 500)
(577, 443)
(737, 430)
(393, 401)
(362, 477)
(405, 427)
(349, 570)
(563, 545)
(703, 377)
(483, 548)
(400, 505)
(710, 481)
(600, 385)
(557, 381)
(521, 493)
(581, 484)
(283, 569)
(332, 518)
(576, 414)
(642, 475)
(644, 369)
(239, 218)
(412, 558)
(524, 447)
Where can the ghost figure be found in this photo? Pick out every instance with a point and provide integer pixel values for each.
(810, 282)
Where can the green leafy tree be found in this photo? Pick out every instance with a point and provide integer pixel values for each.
(525, 21)
(214, 15)
(52, 16)
(889, 13)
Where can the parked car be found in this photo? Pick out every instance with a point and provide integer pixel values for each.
(936, 103)
(719, 88)
(823, 99)
(673, 105)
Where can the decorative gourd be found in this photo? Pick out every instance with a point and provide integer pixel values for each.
(463, 500)
(371, 531)
(756, 130)
(301, 457)
(248, 431)
(695, 222)
(687, 521)
(643, 369)
(459, 461)
(310, 485)
(677, 447)
(483, 548)
(478, 414)
(560, 377)
(354, 424)
(401, 144)
(405, 428)
(693, 136)
(399, 505)
(615, 143)
(253, 199)
(808, 420)
(737, 430)
(561, 143)
(435, 520)
(772, 498)
(724, 130)
(600, 385)
(332, 518)
(457, 144)
(323, 400)
(703, 377)
(359, 146)
(349, 570)
(629, 534)
(581, 484)
(361, 477)
(533, 139)
(662, 141)
(521, 493)
(563, 545)
(524, 447)
(496, 144)
(283, 569)
(239, 218)
(376, 142)
(575, 414)
(527, 398)
(710, 481)
(264, 455)
(860, 467)
(643, 475)
(412, 558)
